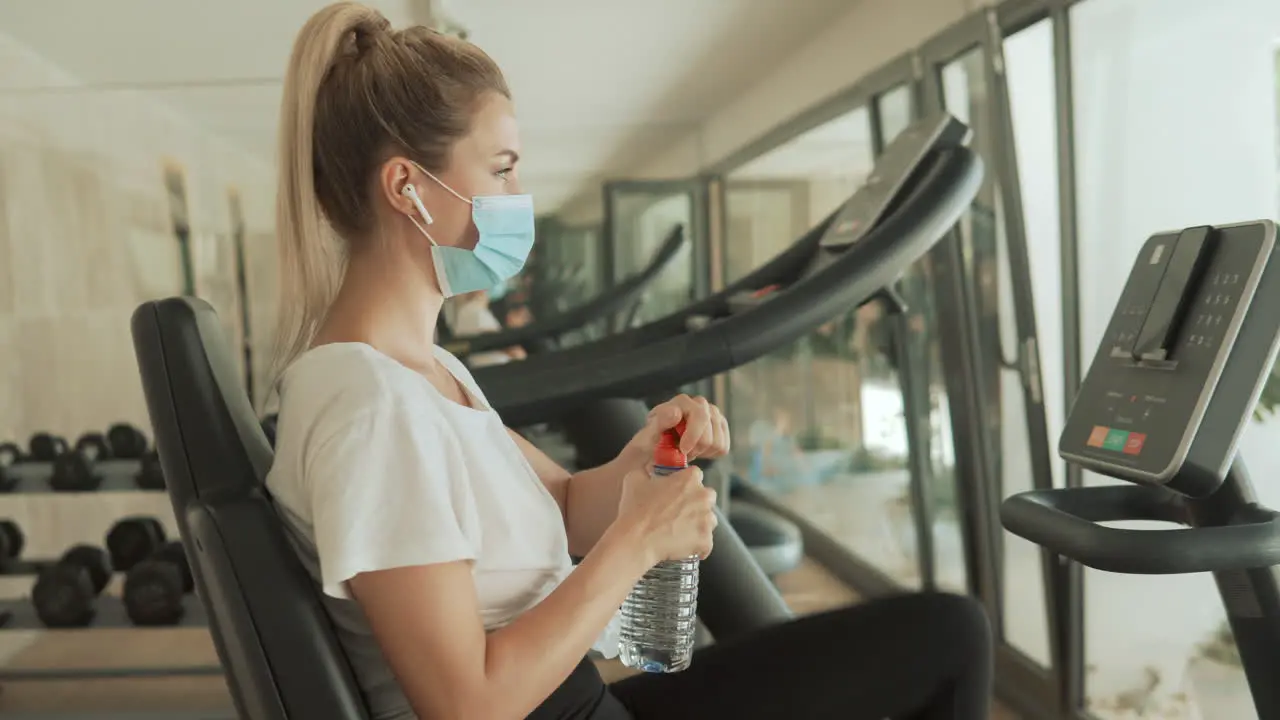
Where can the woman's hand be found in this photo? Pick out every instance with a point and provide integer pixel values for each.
(673, 516)
(706, 432)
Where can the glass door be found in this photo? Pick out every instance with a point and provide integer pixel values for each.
(995, 381)
(918, 351)
(639, 216)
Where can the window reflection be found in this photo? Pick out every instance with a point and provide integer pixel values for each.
(826, 435)
(565, 272)
(895, 112)
(642, 220)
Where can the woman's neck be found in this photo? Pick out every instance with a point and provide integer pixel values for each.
(389, 303)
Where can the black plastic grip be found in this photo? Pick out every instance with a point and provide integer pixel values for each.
(1066, 522)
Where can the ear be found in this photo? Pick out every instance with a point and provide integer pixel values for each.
(394, 176)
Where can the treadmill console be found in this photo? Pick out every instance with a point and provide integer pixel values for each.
(1170, 388)
(893, 169)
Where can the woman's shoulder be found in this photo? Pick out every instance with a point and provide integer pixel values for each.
(343, 380)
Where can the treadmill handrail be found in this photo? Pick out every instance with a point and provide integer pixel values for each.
(546, 386)
(1066, 521)
(608, 303)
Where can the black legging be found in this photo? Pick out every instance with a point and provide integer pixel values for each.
(909, 657)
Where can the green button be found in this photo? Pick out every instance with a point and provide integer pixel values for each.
(1116, 440)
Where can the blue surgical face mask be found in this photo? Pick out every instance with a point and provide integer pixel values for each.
(499, 291)
(505, 224)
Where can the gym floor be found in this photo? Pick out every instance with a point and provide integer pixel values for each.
(807, 589)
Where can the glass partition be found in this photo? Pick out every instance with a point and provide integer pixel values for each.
(966, 94)
(641, 215)
(826, 434)
(567, 271)
(894, 108)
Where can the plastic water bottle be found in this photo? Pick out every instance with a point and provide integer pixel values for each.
(660, 615)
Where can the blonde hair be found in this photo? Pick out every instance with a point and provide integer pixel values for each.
(355, 93)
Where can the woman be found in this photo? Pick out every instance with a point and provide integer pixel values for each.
(440, 539)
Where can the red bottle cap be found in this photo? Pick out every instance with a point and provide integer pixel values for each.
(667, 453)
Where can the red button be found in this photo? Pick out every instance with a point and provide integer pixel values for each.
(1098, 436)
(1135, 443)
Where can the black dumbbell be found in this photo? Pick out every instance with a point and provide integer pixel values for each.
(10, 455)
(132, 540)
(94, 446)
(11, 541)
(65, 594)
(74, 471)
(174, 552)
(127, 442)
(44, 447)
(154, 588)
(151, 476)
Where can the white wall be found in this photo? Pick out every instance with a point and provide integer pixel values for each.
(85, 237)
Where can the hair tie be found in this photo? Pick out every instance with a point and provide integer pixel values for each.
(365, 35)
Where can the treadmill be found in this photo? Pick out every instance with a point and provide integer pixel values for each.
(544, 336)
(1184, 360)
(920, 187)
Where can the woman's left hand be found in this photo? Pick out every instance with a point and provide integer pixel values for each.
(706, 432)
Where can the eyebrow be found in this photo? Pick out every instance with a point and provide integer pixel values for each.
(512, 155)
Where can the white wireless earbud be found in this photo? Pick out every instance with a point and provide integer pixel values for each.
(411, 192)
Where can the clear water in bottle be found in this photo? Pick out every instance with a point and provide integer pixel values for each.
(660, 615)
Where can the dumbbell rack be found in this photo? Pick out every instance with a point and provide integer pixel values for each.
(18, 615)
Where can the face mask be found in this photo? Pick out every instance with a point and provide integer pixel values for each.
(505, 224)
(499, 291)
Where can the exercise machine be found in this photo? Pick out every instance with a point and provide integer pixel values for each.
(272, 634)
(1190, 345)
(544, 335)
(921, 185)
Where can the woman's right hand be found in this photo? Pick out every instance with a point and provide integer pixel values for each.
(673, 515)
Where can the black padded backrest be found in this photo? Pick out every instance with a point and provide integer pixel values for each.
(275, 641)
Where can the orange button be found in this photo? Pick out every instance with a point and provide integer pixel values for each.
(1134, 444)
(1098, 436)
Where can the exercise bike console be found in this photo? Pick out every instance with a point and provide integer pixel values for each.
(1172, 387)
(1160, 368)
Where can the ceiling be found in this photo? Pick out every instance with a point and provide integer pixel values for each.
(599, 84)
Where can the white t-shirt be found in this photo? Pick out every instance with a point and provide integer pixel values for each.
(375, 469)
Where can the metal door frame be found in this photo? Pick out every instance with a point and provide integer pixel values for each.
(1031, 687)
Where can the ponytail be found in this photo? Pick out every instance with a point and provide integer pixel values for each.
(311, 259)
(353, 89)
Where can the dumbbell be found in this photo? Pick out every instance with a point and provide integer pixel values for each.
(45, 447)
(151, 476)
(10, 455)
(127, 442)
(11, 541)
(74, 471)
(65, 594)
(132, 540)
(154, 588)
